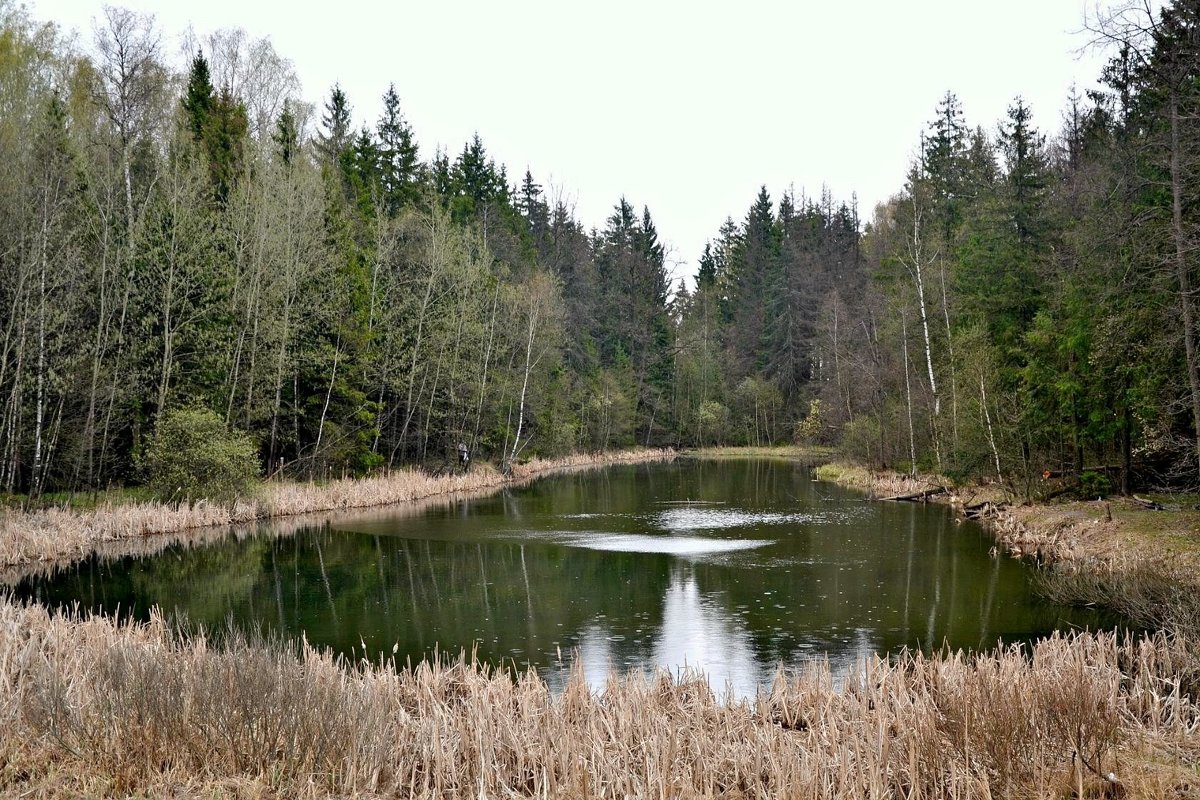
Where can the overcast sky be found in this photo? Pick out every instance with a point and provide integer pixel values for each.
(685, 107)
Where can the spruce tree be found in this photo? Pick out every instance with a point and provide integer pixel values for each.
(198, 97)
(943, 164)
(1027, 173)
(335, 135)
(399, 165)
(286, 135)
(706, 275)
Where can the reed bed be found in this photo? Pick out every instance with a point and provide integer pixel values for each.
(62, 534)
(90, 706)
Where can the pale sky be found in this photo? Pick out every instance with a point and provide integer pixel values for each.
(685, 107)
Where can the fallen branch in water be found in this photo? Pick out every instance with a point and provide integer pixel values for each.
(911, 497)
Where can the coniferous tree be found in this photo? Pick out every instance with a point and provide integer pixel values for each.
(286, 135)
(398, 156)
(335, 136)
(943, 167)
(198, 97)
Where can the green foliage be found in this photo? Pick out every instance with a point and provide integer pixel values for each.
(354, 308)
(219, 125)
(861, 441)
(193, 455)
(1094, 485)
(712, 423)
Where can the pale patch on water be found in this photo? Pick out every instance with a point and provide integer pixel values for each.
(702, 518)
(671, 545)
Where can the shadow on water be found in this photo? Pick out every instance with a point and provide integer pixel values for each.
(730, 566)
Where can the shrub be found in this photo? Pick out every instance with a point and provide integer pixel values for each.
(1094, 484)
(194, 455)
(810, 429)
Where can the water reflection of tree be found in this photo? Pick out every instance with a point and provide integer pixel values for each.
(417, 593)
(212, 580)
(493, 571)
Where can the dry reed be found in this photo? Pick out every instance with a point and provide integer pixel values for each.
(60, 534)
(877, 484)
(99, 708)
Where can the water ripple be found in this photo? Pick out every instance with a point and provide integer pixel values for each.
(693, 518)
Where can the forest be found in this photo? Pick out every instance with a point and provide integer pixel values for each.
(199, 237)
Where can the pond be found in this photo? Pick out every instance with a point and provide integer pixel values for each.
(730, 566)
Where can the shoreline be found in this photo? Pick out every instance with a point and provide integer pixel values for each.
(97, 706)
(1073, 534)
(1114, 553)
(60, 536)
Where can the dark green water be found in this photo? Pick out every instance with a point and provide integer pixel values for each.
(729, 566)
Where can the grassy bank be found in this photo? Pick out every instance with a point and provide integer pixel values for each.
(96, 708)
(66, 533)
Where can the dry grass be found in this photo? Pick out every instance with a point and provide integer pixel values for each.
(63, 533)
(877, 484)
(97, 708)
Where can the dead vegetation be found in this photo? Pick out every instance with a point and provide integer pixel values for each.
(64, 533)
(98, 708)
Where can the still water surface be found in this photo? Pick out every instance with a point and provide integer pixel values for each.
(730, 566)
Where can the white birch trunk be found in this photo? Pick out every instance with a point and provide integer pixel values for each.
(912, 438)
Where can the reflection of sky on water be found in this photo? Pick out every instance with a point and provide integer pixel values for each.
(699, 635)
(675, 545)
(757, 567)
(706, 518)
(696, 633)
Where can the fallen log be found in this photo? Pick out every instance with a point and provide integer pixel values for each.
(921, 495)
(1149, 505)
